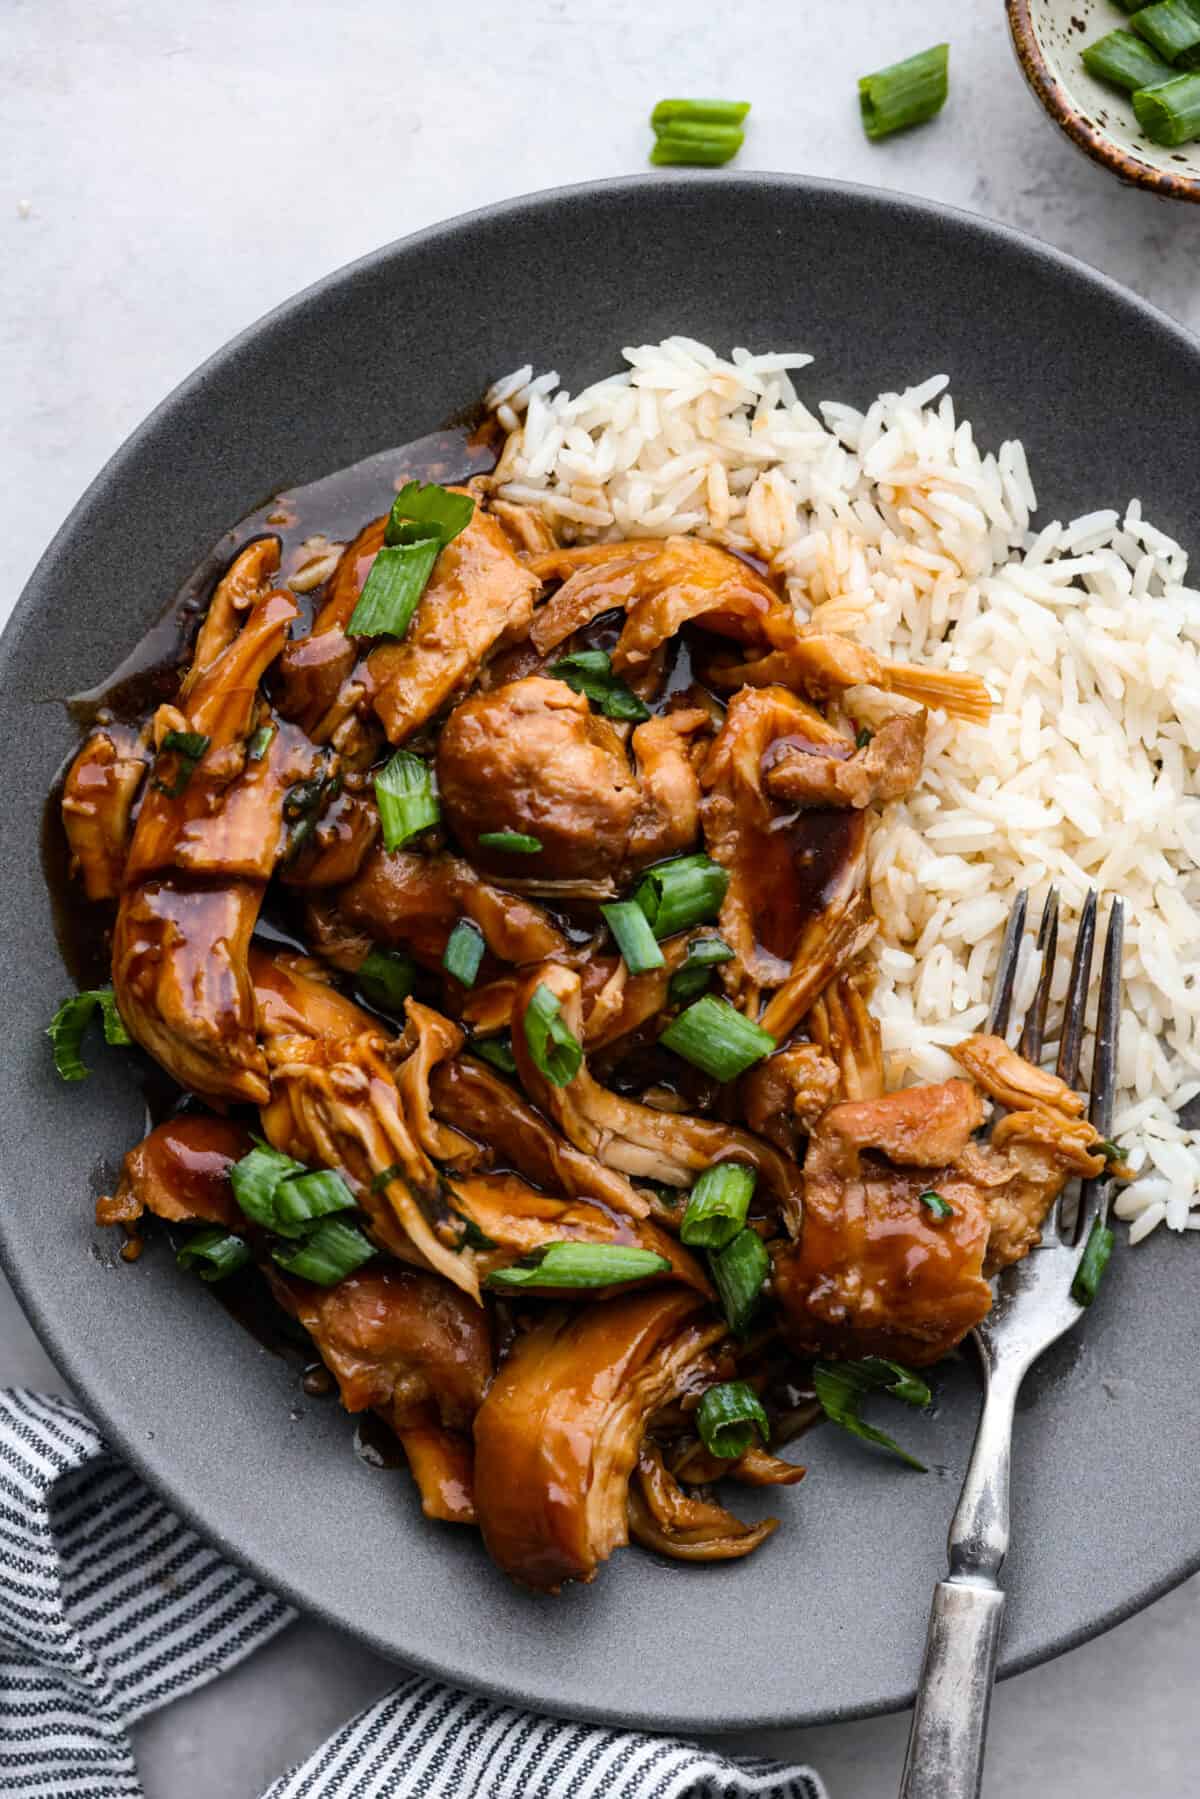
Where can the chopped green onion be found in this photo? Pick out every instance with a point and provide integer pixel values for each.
(260, 743)
(1171, 27)
(579, 1265)
(717, 1207)
(66, 1029)
(1170, 114)
(406, 798)
(715, 1036)
(497, 1051)
(301, 1198)
(676, 895)
(556, 1053)
(257, 1178)
(188, 747)
(699, 144)
(393, 1172)
(703, 112)
(385, 978)
(907, 93)
(464, 952)
(1125, 61)
(392, 590)
(940, 1207)
(214, 1253)
(420, 513)
(589, 672)
(1092, 1263)
(1112, 1152)
(331, 1252)
(473, 1237)
(634, 938)
(862, 737)
(841, 1388)
(728, 1417)
(694, 973)
(739, 1271)
(303, 805)
(513, 843)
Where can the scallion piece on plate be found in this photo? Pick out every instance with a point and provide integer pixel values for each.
(256, 1179)
(556, 1053)
(1125, 61)
(214, 1253)
(634, 938)
(420, 513)
(739, 1271)
(327, 1255)
(392, 590)
(907, 93)
(302, 1198)
(715, 1036)
(676, 895)
(589, 672)
(188, 748)
(385, 979)
(941, 1208)
(694, 973)
(1170, 114)
(464, 952)
(513, 843)
(260, 743)
(1092, 1264)
(701, 145)
(497, 1051)
(1172, 27)
(66, 1029)
(406, 797)
(841, 1388)
(579, 1265)
(699, 112)
(729, 1417)
(717, 1206)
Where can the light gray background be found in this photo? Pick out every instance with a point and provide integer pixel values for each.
(167, 173)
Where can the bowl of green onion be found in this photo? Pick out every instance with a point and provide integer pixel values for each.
(1122, 80)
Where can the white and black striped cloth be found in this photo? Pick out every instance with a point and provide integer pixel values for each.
(111, 1607)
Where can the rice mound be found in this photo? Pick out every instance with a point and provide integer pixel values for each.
(892, 527)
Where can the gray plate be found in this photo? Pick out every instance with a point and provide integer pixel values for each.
(827, 1620)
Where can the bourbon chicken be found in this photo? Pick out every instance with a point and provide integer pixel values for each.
(465, 1051)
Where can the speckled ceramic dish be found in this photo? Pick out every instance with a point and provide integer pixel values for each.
(826, 1621)
(1048, 36)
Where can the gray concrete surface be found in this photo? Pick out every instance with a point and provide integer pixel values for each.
(167, 173)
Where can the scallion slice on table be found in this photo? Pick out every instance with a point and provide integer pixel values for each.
(694, 973)
(1172, 27)
(556, 1052)
(406, 797)
(705, 132)
(579, 1266)
(589, 672)
(327, 1255)
(739, 1271)
(392, 590)
(1125, 61)
(729, 1417)
(66, 1029)
(1094, 1261)
(214, 1253)
(907, 93)
(1170, 114)
(941, 1208)
(717, 1206)
(257, 1178)
(385, 979)
(513, 843)
(841, 1388)
(676, 895)
(715, 1036)
(302, 1198)
(634, 938)
(464, 952)
(423, 512)
(497, 1051)
(188, 748)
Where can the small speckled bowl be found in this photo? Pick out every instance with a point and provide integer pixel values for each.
(1048, 36)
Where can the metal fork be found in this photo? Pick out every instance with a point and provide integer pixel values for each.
(1033, 1307)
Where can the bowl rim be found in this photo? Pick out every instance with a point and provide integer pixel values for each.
(1055, 99)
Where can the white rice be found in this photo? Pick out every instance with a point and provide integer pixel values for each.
(892, 527)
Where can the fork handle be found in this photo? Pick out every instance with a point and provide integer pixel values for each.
(949, 1727)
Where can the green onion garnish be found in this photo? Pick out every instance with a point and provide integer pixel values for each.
(301, 1198)
(419, 513)
(392, 590)
(862, 737)
(1092, 1263)
(66, 1029)
(728, 1417)
(473, 1237)
(739, 1271)
(556, 1053)
(497, 1051)
(1125, 61)
(188, 747)
(1172, 27)
(715, 1036)
(464, 952)
(907, 93)
(214, 1253)
(580, 1265)
(385, 979)
(703, 112)
(331, 1252)
(1170, 114)
(841, 1388)
(589, 672)
(940, 1207)
(717, 1206)
(257, 1178)
(513, 843)
(303, 805)
(676, 895)
(406, 798)
(634, 938)
(694, 973)
(260, 743)
(395, 1171)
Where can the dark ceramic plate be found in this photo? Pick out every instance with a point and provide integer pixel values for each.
(827, 1621)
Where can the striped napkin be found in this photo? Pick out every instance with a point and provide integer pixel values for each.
(111, 1607)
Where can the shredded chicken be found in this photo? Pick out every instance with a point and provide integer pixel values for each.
(97, 805)
(413, 902)
(180, 1172)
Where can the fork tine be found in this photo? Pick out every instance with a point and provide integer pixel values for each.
(1006, 970)
(1094, 1194)
(1071, 1038)
(1034, 1030)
